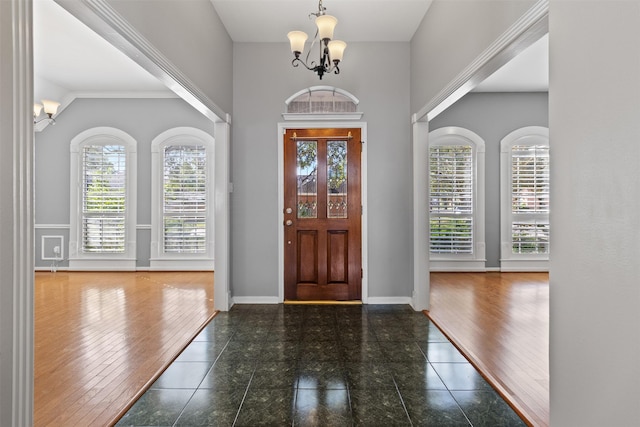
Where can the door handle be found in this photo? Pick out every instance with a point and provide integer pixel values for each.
(288, 223)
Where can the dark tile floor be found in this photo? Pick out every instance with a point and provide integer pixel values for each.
(320, 365)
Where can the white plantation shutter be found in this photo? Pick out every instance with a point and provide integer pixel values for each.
(530, 199)
(451, 199)
(103, 199)
(184, 200)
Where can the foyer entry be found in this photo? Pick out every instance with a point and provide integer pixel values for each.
(322, 214)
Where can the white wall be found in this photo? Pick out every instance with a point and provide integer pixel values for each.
(594, 99)
(263, 80)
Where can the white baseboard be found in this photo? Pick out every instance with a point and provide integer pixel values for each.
(181, 265)
(504, 269)
(123, 264)
(275, 300)
(459, 265)
(389, 300)
(48, 268)
(139, 268)
(255, 300)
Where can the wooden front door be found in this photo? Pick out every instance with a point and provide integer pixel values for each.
(322, 214)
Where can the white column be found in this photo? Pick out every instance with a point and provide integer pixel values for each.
(221, 287)
(16, 214)
(420, 300)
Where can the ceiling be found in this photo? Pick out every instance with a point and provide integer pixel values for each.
(358, 20)
(72, 61)
(527, 72)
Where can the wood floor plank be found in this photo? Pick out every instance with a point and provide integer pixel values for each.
(501, 322)
(100, 337)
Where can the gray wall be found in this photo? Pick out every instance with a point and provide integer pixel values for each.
(451, 36)
(492, 116)
(594, 95)
(259, 95)
(143, 119)
(191, 35)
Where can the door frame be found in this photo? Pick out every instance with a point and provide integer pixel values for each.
(322, 124)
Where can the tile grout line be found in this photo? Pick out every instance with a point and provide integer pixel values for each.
(208, 371)
(379, 326)
(444, 383)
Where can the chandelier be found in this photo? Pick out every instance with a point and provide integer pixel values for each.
(331, 51)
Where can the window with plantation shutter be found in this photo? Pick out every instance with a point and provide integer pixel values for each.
(184, 199)
(182, 220)
(525, 198)
(451, 199)
(456, 199)
(103, 200)
(530, 199)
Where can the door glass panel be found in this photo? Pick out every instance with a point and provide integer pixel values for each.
(337, 179)
(307, 170)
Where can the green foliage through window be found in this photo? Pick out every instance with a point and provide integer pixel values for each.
(103, 198)
(184, 199)
(451, 199)
(530, 199)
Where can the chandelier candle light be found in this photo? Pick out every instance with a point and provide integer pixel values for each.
(331, 51)
(50, 108)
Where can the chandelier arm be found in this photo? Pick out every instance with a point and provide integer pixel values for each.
(297, 61)
(48, 119)
(313, 42)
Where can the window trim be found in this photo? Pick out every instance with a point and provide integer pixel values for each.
(160, 261)
(476, 261)
(79, 260)
(529, 135)
(355, 115)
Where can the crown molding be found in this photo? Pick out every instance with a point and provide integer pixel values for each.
(522, 34)
(104, 20)
(322, 116)
(125, 94)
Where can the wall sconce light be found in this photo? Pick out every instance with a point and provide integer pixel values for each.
(50, 108)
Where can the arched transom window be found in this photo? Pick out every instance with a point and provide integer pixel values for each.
(322, 100)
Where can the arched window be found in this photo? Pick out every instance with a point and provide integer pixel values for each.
(103, 200)
(182, 200)
(327, 101)
(456, 200)
(524, 199)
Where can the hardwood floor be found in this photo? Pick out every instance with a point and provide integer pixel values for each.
(500, 321)
(101, 337)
